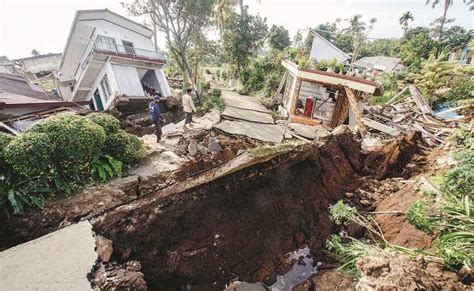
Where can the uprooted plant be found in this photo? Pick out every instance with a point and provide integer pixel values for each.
(349, 249)
(450, 215)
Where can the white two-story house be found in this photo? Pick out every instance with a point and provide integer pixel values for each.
(106, 56)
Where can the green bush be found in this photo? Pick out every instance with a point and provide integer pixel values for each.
(30, 154)
(5, 139)
(125, 147)
(462, 88)
(76, 139)
(460, 180)
(108, 122)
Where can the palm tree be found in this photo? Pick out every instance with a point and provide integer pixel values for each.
(406, 17)
(447, 4)
(359, 31)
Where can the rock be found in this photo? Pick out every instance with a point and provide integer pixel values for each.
(365, 202)
(214, 145)
(371, 144)
(202, 149)
(193, 147)
(349, 194)
(104, 248)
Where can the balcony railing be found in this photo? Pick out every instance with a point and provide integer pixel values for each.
(112, 49)
(127, 51)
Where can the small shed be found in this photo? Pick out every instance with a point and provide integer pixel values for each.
(314, 97)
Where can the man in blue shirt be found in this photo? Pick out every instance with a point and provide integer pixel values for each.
(156, 116)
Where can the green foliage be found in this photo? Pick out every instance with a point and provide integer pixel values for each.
(380, 47)
(104, 168)
(244, 34)
(212, 100)
(460, 180)
(451, 215)
(267, 150)
(278, 37)
(109, 123)
(457, 249)
(462, 136)
(462, 88)
(76, 140)
(30, 154)
(418, 217)
(349, 252)
(61, 154)
(125, 147)
(264, 73)
(456, 36)
(5, 139)
(416, 46)
(435, 74)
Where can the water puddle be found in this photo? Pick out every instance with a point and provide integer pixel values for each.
(302, 269)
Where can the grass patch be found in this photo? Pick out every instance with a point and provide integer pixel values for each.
(268, 149)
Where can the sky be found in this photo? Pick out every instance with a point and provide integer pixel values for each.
(44, 24)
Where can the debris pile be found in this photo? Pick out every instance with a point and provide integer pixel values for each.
(402, 114)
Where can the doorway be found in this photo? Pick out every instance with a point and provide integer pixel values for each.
(98, 101)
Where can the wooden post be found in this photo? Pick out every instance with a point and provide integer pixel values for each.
(355, 108)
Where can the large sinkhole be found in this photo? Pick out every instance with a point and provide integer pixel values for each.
(235, 221)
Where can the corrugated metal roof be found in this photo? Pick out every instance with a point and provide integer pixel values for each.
(18, 85)
(386, 64)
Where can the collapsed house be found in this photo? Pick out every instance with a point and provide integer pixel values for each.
(109, 58)
(315, 97)
(379, 64)
(39, 66)
(22, 100)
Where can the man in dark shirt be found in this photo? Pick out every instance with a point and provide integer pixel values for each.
(156, 116)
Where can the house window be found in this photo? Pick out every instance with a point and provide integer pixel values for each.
(105, 86)
(129, 48)
(106, 43)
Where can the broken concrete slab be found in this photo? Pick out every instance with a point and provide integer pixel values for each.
(308, 131)
(234, 99)
(259, 131)
(248, 115)
(166, 161)
(60, 260)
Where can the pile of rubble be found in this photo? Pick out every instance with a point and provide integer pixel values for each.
(404, 113)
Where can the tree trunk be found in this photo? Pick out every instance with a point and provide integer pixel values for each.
(190, 74)
(443, 20)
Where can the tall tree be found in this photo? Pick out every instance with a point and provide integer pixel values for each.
(359, 31)
(447, 4)
(178, 20)
(404, 20)
(35, 53)
(223, 11)
(243, 36)
(278, 37)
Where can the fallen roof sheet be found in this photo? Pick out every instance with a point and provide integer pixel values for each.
(387, 64)
(264, 132)
(18, 85)
(248, 115)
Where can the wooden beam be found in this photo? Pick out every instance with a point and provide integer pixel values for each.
(420, 101)
(381, 127)
(396, 96)
(8, 128)
(353, 100)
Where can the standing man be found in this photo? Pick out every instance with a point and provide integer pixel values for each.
(188, 108)
(156, 116)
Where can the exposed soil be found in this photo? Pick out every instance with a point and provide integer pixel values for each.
(236, 226)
